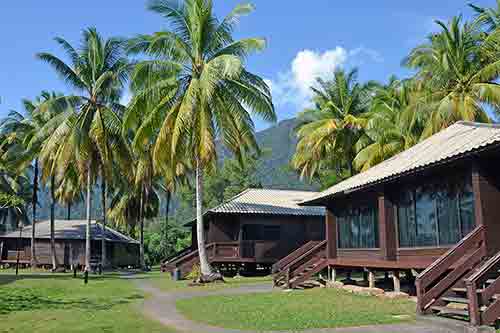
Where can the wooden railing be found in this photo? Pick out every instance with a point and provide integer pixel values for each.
(301, 261)
(445, 272)
(484, 304)
(278, 266)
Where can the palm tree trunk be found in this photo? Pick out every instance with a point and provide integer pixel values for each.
(52, 223)
(33, 222)
(104, 261)
(87, 234)
(167, 208)
(207, 272)
(141, 222)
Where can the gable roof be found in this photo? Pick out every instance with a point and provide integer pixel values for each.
(268, 202)
(72, 230)
(459, 139)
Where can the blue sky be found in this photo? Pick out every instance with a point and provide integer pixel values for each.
(305, 39)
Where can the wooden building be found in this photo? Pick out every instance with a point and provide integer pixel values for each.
(432, 212)
(253, 230)
(121, 251)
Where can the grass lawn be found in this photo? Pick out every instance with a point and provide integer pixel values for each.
(164, 282)
(316, 308)
(57, 303)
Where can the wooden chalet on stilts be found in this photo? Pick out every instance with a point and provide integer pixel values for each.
(432, 212)
(252, 231)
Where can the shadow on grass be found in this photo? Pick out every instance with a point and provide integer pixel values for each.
(29, 300)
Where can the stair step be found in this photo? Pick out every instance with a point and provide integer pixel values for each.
(460, 300)
(490, 281)
(464, 290)
(446, 311)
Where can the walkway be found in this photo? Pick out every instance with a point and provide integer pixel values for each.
(161, 307)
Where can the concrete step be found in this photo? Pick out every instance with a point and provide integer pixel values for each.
(446, 311)
(460, 300)
(464, 290)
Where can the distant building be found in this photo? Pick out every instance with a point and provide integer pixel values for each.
(253, 230)
(121, 250)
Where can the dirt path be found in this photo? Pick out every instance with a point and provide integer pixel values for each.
(161, 307)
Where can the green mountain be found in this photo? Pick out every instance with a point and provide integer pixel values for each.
(278, 144)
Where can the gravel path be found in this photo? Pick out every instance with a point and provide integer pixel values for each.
(161, 307)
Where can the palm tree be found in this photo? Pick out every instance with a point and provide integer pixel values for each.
(97, 72)
(41, 115)
(69, 189)
(488, 17)
(459, 70)
(395, 123)
(329, 131)
(199, 90)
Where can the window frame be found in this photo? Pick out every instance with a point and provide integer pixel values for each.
(374, 207)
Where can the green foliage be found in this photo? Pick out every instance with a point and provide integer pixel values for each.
(163, 239)
(195, 273)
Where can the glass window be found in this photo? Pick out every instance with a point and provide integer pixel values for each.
(437, 215)
(426, 217)
(358, 228)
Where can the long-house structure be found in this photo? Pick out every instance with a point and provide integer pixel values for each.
(432, 211)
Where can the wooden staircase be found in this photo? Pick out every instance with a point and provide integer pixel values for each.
(298, 268)
(464, 284)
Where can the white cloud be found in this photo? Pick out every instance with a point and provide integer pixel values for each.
(293, 87)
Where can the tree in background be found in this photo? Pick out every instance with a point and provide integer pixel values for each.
(40, 117)
(458, 69)
(395, 123)
(97, 71)
(329, 131)
(201, 92)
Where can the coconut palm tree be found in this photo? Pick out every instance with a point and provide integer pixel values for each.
(41, 115)
(329, 131)
(199, 87)
(69, 189)
(488, 17)
(459, 70)
(395, 123)
(91, 136)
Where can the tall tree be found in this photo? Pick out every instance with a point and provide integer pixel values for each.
(97, 72)
(40, 116)
(329, 131)
(488, 17)
(395, 123)
(459, 70)
(199, 87)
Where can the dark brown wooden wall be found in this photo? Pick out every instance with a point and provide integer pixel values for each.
(73, 251)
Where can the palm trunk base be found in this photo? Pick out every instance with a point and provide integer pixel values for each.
(211, 278)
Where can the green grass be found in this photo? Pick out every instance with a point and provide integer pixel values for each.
(57, 303)
(165, 283)
(317, 308)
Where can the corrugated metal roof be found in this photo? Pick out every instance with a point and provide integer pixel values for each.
(454, 141)
(268, 201)
(70, 229)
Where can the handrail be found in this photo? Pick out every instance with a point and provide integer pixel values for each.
(180, 253)
(289, 268)
(492, 311)
(283, 262)
(435, 272)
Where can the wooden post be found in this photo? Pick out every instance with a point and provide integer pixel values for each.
(331, 235)
(387, 228)
(365, 276)
(334, 274)
(474, 315)
(486, 208)
(371, 279)
(397, 282)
